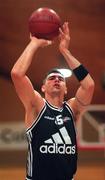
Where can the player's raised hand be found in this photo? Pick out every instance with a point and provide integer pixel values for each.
(64, 37)
(40, 42)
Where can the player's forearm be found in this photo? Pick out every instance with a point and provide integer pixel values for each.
(70, 59)
(79, 71)
(21, 66)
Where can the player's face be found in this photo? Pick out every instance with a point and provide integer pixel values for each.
(55, 83)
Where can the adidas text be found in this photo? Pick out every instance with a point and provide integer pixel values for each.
(55, 149)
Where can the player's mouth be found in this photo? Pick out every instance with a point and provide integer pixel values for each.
(57, 85)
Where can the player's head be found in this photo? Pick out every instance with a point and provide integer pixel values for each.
(53, 73)
(54, 82)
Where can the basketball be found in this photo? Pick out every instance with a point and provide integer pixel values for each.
(44, 23)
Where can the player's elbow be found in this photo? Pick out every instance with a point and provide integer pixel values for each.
(15, 74)
(91, 86)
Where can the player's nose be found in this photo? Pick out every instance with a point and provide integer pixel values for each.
(56, 78)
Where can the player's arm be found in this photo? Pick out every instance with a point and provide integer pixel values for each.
(83, 95)
(23, 86)
(85, 92)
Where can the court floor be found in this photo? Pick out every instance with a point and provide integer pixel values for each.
(90, 172)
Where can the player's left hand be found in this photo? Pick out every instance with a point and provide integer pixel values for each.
(64, 37)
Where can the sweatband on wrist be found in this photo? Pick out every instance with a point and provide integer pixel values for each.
(80, 72)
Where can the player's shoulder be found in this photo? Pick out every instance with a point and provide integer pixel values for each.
(72, 105)
(69, 104)
(76, 107)
(38, 101)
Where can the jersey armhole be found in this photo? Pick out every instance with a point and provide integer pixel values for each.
(37, 119)
(70, 109)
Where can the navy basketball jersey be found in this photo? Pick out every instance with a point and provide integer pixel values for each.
(52, 149)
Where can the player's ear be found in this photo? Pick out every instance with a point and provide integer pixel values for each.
(43, 88)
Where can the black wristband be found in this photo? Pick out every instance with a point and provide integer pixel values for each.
(80, 72)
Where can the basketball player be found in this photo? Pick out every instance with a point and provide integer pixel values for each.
(50, 127)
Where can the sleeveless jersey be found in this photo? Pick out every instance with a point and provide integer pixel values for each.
(52, 148)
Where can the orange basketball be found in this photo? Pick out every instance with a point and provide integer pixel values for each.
(44, 23)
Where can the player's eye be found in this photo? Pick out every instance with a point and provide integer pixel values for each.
(54, 77)
(51, 77)
(61, 78)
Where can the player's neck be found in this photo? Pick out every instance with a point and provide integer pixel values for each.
(55, 101)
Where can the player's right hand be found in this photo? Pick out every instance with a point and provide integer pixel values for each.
(40, 42)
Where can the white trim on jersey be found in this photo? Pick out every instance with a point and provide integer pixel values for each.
(29, 136)
(28, 178)
(37, 119)
(30, 161)
(69, 109)
(30, 154)
(54, 107)
(71, 112)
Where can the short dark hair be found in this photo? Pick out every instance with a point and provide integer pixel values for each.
(54, 70)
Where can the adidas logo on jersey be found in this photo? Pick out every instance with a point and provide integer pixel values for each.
(60, 142)
(55, 149)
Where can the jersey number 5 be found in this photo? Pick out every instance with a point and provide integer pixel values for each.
(59, 120)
